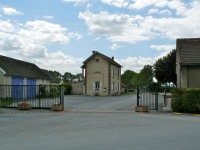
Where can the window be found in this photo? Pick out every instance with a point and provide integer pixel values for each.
(113, 86)
(97, 86)
(113, 73)
(118, 74)
(97, 60)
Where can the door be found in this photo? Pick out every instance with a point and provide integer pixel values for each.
(17, 88)
(31, 88)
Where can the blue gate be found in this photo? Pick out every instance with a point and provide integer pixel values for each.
(17, 88)
(31, 88)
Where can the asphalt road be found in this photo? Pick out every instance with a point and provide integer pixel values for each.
(126, 102)
(108, 123)
(99, 131)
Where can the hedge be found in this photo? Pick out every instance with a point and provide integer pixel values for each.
(185, 100)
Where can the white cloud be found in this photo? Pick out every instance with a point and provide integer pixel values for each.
(116, 3)
(96, 39)
(75, 35)
(77, 2)
(135, 63)
(115, 46)
(116, 27)
(6, 26)
(164, 49)
(165, 12)
(153, 11)
(43, 32)
(28, 42)
(48, 17)
(130, 29)
(11, 11)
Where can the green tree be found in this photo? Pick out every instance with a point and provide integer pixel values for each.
(68, 77)
(165, 68)
(146, 75)
(78, 77)
(56, 74)
(68, 87)
(135, 79)
(126, 78)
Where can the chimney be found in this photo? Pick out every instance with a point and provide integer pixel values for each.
(93, 51)
(112, 58)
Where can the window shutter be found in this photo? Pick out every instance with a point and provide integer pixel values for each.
(93, 86)
(100, 86)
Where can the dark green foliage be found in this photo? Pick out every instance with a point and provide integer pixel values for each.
(51, 92)
(6, 101)
(126, 78)
(186, 100)
(176, 100)
(68, 87)
(165, 68)
(191, 101)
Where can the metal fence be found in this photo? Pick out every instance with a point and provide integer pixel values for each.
(148, 96)
(39, 96)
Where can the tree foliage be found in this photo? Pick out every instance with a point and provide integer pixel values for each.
(56, 74)
(68, 77)
(165, 68)
(145, 77)
(126, 78)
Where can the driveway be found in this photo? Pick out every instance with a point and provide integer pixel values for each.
(125, 102)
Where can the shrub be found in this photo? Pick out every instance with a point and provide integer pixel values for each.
(191, 101)
(176, 100)
(68, 87)
(6, 101)
(186, 100)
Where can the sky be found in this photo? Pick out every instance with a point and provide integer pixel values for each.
(59, 35)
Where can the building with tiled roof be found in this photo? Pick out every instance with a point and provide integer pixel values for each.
(12, 70)
(188, 62)
(101, 74)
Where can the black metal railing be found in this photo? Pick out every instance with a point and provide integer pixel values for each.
(39, 96)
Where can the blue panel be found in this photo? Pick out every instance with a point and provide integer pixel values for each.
(17, 88)
(31, 88)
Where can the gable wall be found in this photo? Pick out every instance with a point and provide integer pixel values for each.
(97, 72)
(193, 76)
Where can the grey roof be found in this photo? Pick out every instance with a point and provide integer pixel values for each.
(53, 78)
(104, 56)
(189, 51)
(14, 67)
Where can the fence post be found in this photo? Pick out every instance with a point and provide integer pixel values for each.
(138, 95)
(156, 98)
(39, 94)
(62, 96)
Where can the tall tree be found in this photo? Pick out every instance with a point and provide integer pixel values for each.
(146, 75)
(56, 74)
(165, 68)
(126, 78)
(68, 77)
(78, 77)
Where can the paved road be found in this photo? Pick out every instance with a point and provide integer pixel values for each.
(126, 102)
(99, 131)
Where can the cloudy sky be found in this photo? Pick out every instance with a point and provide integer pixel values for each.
(60, 34)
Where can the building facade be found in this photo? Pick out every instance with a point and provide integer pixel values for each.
(188, 63)
(101, 75)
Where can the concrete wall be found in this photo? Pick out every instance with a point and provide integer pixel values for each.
(193, 76)
(77, 88)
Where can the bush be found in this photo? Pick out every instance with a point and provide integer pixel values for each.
(68, 87)
(176, 100)
(6, 101)
(186, 100)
